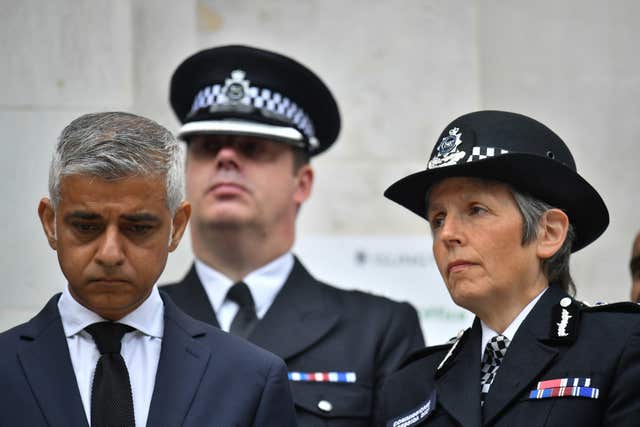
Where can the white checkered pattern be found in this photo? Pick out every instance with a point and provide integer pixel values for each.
(479, 153)
(271, 104)
(493, 354)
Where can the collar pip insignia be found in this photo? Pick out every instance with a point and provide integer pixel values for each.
(448, 152)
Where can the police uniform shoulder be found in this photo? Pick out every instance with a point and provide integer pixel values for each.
(616, 307)
(363, 299)
(426, 352)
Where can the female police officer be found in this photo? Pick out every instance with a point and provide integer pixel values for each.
(506, 208)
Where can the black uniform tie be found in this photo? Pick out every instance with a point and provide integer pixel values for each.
(246, 318)
(111, 398)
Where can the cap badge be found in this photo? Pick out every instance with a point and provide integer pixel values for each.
(236, 87)
(448, 152)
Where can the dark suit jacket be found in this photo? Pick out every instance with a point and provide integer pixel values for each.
(315, 327)
(605, 346)
(205, 377)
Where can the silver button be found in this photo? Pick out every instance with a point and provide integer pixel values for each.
(565, 302)
(325, 406)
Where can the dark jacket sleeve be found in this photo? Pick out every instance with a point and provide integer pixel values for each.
(623, 407)
(403, 336)
(276, 404)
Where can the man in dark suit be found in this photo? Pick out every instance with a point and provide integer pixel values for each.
(111, 350)
(252, 119)
(506, 209)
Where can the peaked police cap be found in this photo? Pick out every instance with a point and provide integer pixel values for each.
(242, 90)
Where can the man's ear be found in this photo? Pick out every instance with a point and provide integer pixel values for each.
(179, 222)
(304, 182)
(48, 219)
(552, 232)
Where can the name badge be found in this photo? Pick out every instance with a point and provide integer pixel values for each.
(415, 415)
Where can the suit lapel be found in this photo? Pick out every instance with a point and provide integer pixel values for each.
(183, 362)
(190, 293)
(527, 357)
(455, 381)
(298, 317)
(47, 366)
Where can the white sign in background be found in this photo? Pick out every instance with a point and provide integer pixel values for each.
(399, 267)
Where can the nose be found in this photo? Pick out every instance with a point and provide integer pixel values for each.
(452, 231)
(111, 250)
(228, 157)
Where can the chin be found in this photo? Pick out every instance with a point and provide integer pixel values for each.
(467, 296)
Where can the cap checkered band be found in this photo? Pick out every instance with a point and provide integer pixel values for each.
(493, 354)
(479, 153)
(238, 95)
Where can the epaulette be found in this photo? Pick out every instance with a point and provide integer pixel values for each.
(424, 352)
(565, 320)
(566, 314)
(616, 307)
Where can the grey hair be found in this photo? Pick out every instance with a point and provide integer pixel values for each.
(117, 145)
(556, 267)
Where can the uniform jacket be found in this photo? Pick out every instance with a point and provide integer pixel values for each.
(318, 328)
(204, 378)
(602, 343)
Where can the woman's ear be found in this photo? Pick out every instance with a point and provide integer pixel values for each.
(552, 232)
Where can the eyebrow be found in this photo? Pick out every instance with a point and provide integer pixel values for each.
(141, 217)
(82, 215)
(89, 216)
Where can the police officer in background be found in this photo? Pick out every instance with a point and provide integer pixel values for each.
(506, 209)
(251, 120)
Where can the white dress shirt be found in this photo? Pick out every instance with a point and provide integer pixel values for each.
(140, 348)
(264, 284)
(510, 332)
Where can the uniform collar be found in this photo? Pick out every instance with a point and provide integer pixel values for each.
(510, 332)
(148, 318)
(264, 283)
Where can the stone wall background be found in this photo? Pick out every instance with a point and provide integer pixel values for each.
(400, 70)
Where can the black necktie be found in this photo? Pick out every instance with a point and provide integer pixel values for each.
(111, 399)
(246, 318)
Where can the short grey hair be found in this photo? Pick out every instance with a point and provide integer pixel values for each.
(556, 267)
(115, 145)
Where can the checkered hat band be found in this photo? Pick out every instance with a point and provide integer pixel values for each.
(479, 153)
(271, 104)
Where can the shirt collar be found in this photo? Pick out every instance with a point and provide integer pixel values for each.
(264, 283)
(148, 318)
(510, 332)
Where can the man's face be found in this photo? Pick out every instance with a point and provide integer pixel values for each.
(112, 239)
(635, 270)
(238, 181)
(477, 244)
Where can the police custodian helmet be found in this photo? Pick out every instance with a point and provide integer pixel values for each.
(514, 149)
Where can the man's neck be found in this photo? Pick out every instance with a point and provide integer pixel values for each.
(236, 253)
